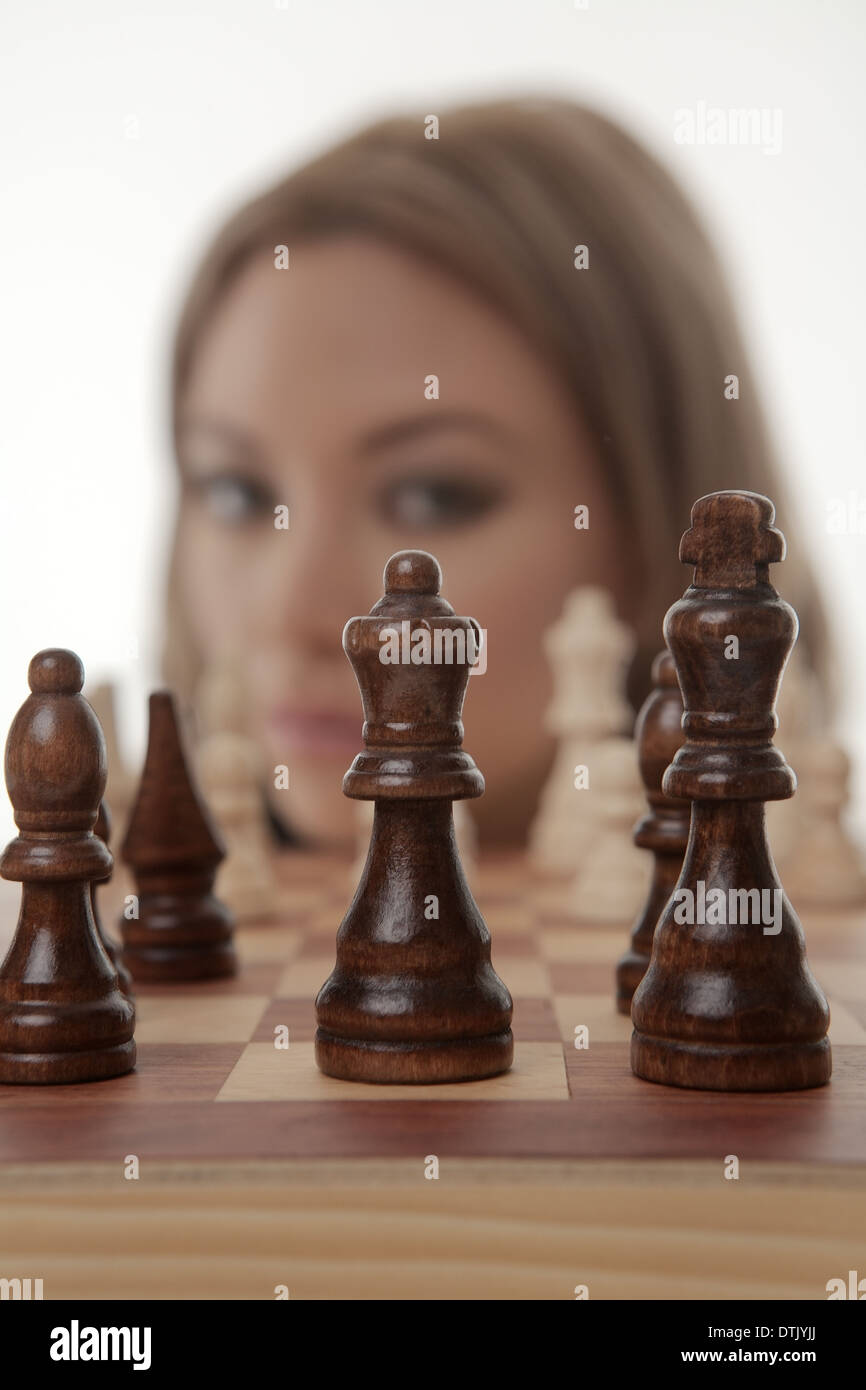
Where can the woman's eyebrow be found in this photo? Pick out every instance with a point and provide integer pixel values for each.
(379, 440)
(221, 429)
(422, 426)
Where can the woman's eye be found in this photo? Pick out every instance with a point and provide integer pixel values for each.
(425, 502)
(231, 499)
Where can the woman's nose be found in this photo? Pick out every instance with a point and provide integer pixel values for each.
(307, 577)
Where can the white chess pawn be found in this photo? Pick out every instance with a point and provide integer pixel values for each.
(564, 824)
(800, 716)
(823, 867)
(228, 768)
(613, 880)
(589, 651)
(228, 764)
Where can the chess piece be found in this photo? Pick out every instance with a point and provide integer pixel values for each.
(102, 829)
(611, 880)
(665, 830)
(816, 858)
(182, 931)
(62, 1015)
(589, 651)
(413, 996)
(729, 1004)
(228, 765)
(465, 837)
(823, 867)
(800, 717)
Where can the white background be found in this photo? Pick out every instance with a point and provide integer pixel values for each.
(129, 129)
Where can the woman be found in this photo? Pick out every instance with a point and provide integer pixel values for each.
(474, 335)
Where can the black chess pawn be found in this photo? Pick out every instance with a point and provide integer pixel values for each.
(182, 931)
(729, 1002)
(63, 1016)
(413, 997)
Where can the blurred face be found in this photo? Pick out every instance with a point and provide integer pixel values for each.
(308, 390)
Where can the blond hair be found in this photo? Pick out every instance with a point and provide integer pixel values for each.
(644, 339)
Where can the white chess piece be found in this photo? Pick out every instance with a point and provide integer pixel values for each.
(612, 881)
(798, 710)
(817, 861)
(823, 867)
(228, 764)
(589, 650)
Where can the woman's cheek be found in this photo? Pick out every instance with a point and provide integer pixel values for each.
(212, 596)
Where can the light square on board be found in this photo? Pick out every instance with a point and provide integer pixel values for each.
(595, 1011)
(265, 1072)
(186, 1018)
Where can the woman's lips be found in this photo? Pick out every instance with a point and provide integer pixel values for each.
(316, 732)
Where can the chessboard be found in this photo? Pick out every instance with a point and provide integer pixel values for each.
(257, 1174)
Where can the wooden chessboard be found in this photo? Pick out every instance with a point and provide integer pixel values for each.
(257, 1171)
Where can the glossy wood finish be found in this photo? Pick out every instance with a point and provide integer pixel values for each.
(102, 830)
(729, 1006)
(665, 830)
(173, 848)
(413, 997)
(63, 1017)
(195, 1042)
